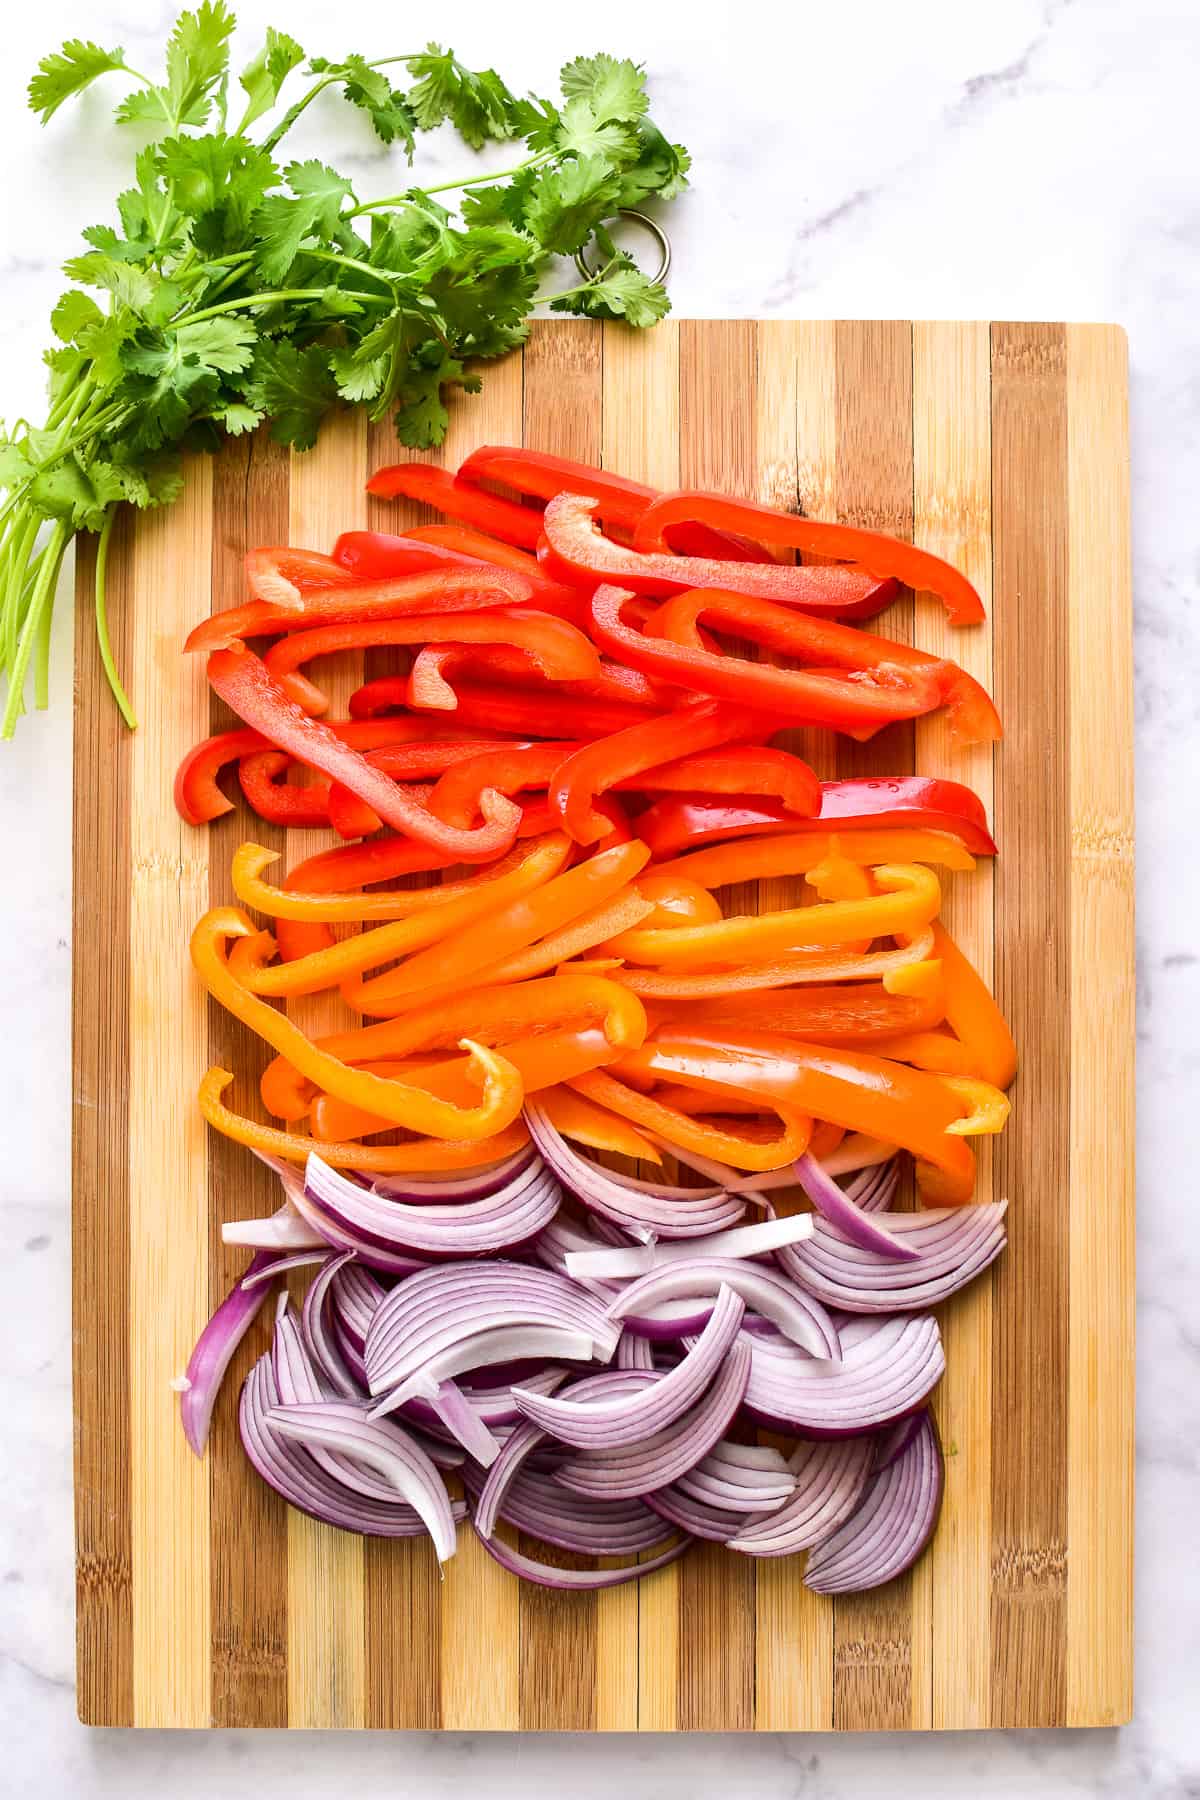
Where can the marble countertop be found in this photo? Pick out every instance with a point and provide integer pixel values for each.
(1021, 159)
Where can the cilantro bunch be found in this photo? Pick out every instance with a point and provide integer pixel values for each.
(237, 287)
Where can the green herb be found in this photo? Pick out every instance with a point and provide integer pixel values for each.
(236, 287)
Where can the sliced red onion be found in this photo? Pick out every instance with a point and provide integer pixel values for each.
(475, 1184)
(886, 1371)
(634, 1352)
(503, 1217)
(383, 1446)
(729, 1481)
(350, 1353)
(376, 1256)
(355, 1295)
(495, 1407)
(534, 1504)
(432, 1313)
(891, 1526)
(641, 1207)
(214, 1351)
(893, 1442)
(607, 1425)
(284, 1230)
(695, 1517)
(665, 1456)
(948, 1248)
(763, 1290)
(837, 1209)
(527, 1436)
(463, 1422)
(830, 1477)
(873, 1189)
(574, 1580)
(319, 1339)
(300, 1259)
(479, 1349)
(291, 1472)
(638, 1259)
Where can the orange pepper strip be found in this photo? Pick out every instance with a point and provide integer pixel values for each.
(863, 1014)
(850, 1088)
(325, 968)
(677, 901)
(692, 1101)
(825, 1138)
(933, 1050)
(417, 1111)
(792, 971)
(693, 1134)
(910, 898)
(540, 1062)
(441, 970)
(494, 1015)
(581, 1119)
(973, 1014)
(591, 928)
(796, 852)
(249, 860)
(425, 1156)
(988, 1108)
(839, 877)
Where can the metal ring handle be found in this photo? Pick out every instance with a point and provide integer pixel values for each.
(656, 232)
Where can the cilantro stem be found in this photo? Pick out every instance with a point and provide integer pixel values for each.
(446, 187)
(41, 597)
(226, 306)
(102, 637)
(293, 113)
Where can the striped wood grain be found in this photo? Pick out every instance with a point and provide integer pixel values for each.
(1001, 447)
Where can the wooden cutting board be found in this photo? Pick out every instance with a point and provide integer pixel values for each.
(201, 1600)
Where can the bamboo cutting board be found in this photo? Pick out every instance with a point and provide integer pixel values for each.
(201, 1600)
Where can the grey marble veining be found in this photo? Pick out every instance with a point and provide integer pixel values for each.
(933, 160)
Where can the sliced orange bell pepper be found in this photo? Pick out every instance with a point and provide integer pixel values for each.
(443, 968)
(973, 1015)
(625, 910)
(796, 853)
(350, 866)
(851, 1088)
(423, 1156)
(579, 1118)
(936, 1051)
(319, 905)
(676, 900)
(697, 1134)
(367, 949)
(416, 1111)
(862, 1013)
(909, 898)
(805, 966)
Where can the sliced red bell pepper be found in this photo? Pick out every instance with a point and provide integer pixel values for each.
(883, 555)
(552, 596)
(245, 683)
(854, 703)
(526, 713)
(753, 769)
(346, 868)
(460, 499)
(430, 686)
(509, 768)
(593, 768)
(832, 589)
(538, 816)
(281, 573)
(973, 718)
(353, 818)
(381, 555)
(558, 649)
(281, 802)
(434, 591)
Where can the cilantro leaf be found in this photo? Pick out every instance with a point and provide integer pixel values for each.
(131, 286)
(219, 182)
(79, 494)
(612, 88)
(388, 110)
(15, 465)
(73, 315)
(479, 105)
(293, 388)
(226, 344)
(660, 170)
(282, 225)
(567, 203)
(68, 71)
(373, 369)
(583, 134)
(237, 418)
(197, 57)
(265, 74)
(623, 293)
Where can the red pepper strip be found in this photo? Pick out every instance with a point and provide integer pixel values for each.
(908, 802)
(904, 1106)
(596, 767)
(854, 703)
(973, 718)
(245, 684)
(431, 689)
(281, 802)
(463, 540)
(573, 536)
(280, 574)
(434, 591)
(693, 539)
(460, 499)
(884, 556)
(509, 768)
(549, 714)
(559, 650)
(747, 769)
(381, 555)
(353, 818)
(538, 816)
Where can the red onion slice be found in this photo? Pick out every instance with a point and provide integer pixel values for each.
(890, 1528)
(574, 1580)
(947, 1248)
(830, 1478)
(625, 1263)
(474, 1185)
(635, 1352)
(319, 1340)
(478, 1350)
(284, 1230)
(534, 1504)
(503, 1217)
(608, 1425)
(383, 1446)
(694, 1517)
(355, 1296)
(723, 1479)
(885, 1372)
(214, 1351)
(803, 1321)
(835, 1206)
(464, 1423)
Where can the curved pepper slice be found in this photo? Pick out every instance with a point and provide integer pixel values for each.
(352, 817)
(910, 898)
(496, 1016)
(593, 768)
(748, 769)
(381, 555)
(436, 591)
(884, 556)
(576, 1117)
(500, 1101)
(541, 713)
(804, 844)
(461, 499)
(579, 545)
(536, 472)
(989, 1108)
(367, 949)
(509, 768)
(936, 1051)
(430, 687)
(317, 903)
(863, 1014)
(282, 573)
(263, 780)
(558, 649)
(423, 1156)
(791, 971)
(297, 932)
(973, 1015)
(445, 966)
(245, 684)
(676, 900)
(698, 1134)
(855, 703)
(625, 910)
(827, 645)
(850, 1088)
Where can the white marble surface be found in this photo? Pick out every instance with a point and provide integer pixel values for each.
(935, 159)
